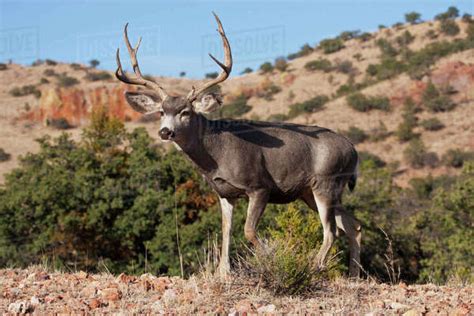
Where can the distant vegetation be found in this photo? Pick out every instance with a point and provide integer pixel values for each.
(66, 81)
(362, 103)
(309, 106)
(98, 76)
(4, 156)
(25, 90)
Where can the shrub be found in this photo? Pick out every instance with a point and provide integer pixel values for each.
(3, 66)
(51, 62)
(431, 34)
(76, 66)
(49, 72)
(237, 107)
(308, 106)
(285, 263)
(397, 25)
(361, 103)
(25, 90)
(367, 156)
(379, 133)
(364, 37)
(320, 64)
(388, 68)
(268, 91)
(44, 80)
(281, 64)
(211, 75)
(386, 48)
(182, 74)
(467, 18)
(405, 129)
(435, 101)
(59, 123)
(357, 56)
(451, 13)
(356, 135)
(405, 39)
(98, 76)
(348, 35)
(412, 17)
(4, 156)
(94, 63)
(456, 158)
(417, 156)
(330, 46)
(449, 27)
(266, 67)
(247, 70)
(345, 67)
(305, 50)
(65, 81)
(470, 32)
(432, 124)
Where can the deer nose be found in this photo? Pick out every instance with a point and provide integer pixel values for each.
(165, 133)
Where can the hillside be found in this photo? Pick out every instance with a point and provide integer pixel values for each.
(38, 291)
(51, 96)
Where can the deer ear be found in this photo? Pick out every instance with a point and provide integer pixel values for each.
(209, 103)
(142, 102)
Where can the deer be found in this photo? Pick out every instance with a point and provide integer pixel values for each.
(262, 162)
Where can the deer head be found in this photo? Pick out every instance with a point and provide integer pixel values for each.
(179, 114)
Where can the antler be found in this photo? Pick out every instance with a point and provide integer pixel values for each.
(226, 67)
(138, 79)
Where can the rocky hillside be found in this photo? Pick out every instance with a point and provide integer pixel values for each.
(312, 87)
(37, 291)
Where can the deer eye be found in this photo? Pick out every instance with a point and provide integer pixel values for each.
(185, 113)
(161, 112)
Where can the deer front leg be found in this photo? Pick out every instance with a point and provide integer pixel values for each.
(257, 202)
(227, 208)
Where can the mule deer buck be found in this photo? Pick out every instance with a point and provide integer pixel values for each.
(262, 162)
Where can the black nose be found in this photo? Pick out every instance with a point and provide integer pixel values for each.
(166, 133)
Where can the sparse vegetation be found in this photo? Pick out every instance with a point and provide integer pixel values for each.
(94, 63)
(3, 66)
(236, 108)
(386, 48)
(362, 103)
(76, 66)
(281, 64)
(456, 158)
(345, 67)
(211, 75)
(330, 46)
(417, 155)
(449, 27)
(309, 106)
(50, 62)
(451, 13)
(405, 39)
(405, 128)
(413, 17)
(247, 70)
(432, 124)
(435, 101)
(4, 156)
(59, 123)
(356, 135)
(66, 81)
(379, 133)
(319, 64)
(305, 50)
(268, 90)
(25, 90)
(266, 68)
(98, 76)
(49, 72)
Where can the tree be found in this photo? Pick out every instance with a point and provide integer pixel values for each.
(451, 13)
(266, 67)
(182, 74)
(94, 63)
(412, 17)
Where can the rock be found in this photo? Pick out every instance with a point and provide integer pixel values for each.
(111, 294)
(20, 307)
(95, 303)
(270, 308)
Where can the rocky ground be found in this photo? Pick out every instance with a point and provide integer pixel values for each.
(37, 291)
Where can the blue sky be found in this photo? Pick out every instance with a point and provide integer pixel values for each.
(178, 34)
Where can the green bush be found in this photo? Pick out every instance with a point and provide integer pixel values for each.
(98, 76)
(279, 117)
(309, 106)
(247, 70)
(49, 72)
(281, 64)
(94, 63)
(432, 124)
(25, 90)
(4, 156)
(268, 92)
(66, 81)
(374, 159)
(451, 13)
(366, 36)
(388, 68)
(59, 123)
(211, 75)
(386, 48)
(236, 108)
(435, 101)
(51, 62)
(456, 157)
(362, 103)
(379, 133)
(417, 156)
(266, 67)
(356, 135)
(345, 67)
(405, 39)
(412, 17)
(330, 46)
(320, 64)
(405, 128)
(449, 27)
(348, 35)
(305, 50)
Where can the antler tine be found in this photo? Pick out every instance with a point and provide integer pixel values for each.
(138, 80)
(226, 66)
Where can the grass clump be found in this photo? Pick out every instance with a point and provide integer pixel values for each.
(319, 64)
(362, 103)
(456, 157)
(286, 262)
(417, 155)
(432, 124)
(356, 135)
(330, 46)
(309, 106)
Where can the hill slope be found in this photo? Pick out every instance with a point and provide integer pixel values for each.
(61, 101)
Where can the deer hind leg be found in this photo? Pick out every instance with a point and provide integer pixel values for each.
(326, 211)
(227, 208)
(257, 203)
(352, 228)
